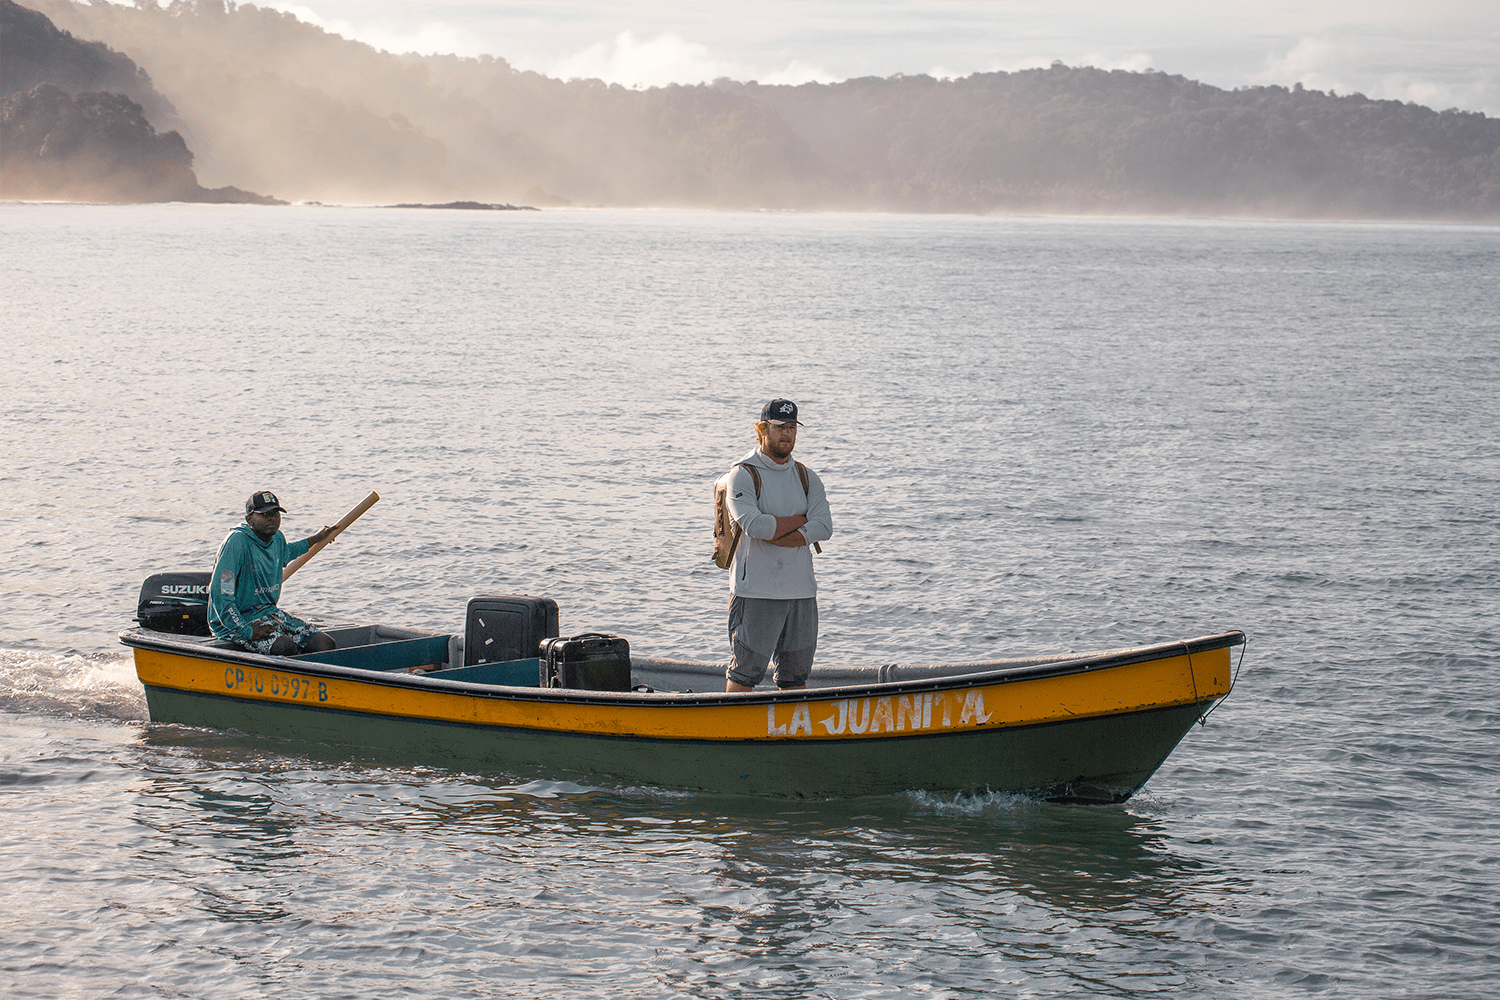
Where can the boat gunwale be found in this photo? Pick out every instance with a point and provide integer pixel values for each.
(169, 643)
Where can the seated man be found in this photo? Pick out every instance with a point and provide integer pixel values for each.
(247, 584)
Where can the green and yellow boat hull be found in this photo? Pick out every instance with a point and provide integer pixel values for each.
(1089, 728)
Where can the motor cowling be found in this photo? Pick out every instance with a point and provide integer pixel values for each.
(175, 602)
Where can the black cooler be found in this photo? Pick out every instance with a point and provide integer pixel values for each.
(175, 602)
(589, 662)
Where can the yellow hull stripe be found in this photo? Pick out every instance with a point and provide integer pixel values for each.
(1163, 683)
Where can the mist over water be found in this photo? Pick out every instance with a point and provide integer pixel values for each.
(1037, 435)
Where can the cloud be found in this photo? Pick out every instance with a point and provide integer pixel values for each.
(666, 59)
(1307, 62)
(1377, 71)
(1473, 90)
(426, 38)
(797, 72)
(1135, 62)
(656, 62)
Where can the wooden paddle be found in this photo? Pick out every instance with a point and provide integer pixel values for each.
(344, 522)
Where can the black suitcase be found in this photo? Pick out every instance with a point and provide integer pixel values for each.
(175, 602)
(499, 628)
(589, 662)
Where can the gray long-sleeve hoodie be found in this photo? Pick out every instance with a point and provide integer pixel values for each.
(761, 569)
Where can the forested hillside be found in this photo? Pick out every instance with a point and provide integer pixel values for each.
(1090, 140)
(35, 51)
(73, 123)
(275, 104)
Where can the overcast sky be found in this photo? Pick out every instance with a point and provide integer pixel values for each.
(1441, 54)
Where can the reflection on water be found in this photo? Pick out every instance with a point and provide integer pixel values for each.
(992, 882)
(707, 891)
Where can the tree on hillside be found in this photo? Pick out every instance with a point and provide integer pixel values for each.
(33, 51)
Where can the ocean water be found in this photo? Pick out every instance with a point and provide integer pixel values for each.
(1038, 435)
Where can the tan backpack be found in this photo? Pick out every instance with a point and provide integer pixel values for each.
(726, 531)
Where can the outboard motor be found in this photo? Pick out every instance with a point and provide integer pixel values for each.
(175, 602)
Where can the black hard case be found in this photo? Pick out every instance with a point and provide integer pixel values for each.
(175, 602)
(499, 628)
(589, 662)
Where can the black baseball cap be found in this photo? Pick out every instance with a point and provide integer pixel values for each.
(263, 503)
(780, 411)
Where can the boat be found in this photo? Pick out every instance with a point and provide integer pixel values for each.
(1088, 728)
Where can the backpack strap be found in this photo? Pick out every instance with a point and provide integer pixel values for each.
(806, 491)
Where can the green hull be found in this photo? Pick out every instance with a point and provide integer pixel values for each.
(1117, 753)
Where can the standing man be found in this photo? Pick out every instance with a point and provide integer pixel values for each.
(780, 507)
(247, 584)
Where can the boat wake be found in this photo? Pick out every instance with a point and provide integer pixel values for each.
(980, 804)
(72, 685)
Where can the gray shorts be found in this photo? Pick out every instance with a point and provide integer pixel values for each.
(761, 630)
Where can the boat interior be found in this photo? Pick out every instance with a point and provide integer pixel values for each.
(166, 607)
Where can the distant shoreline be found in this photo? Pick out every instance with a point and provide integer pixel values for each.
(472, 206)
